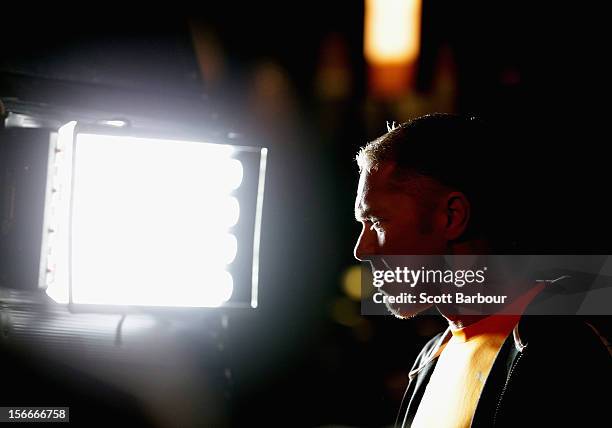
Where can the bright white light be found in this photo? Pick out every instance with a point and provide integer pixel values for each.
(230, 211)
(117, 123)
(224, 215)
(151, 221)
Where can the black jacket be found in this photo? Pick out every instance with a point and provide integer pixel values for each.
(551, 371)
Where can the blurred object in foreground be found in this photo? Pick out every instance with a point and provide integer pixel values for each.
(392, 31)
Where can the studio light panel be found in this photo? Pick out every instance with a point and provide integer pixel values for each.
(150, 222)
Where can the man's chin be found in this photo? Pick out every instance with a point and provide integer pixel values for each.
(407, 311)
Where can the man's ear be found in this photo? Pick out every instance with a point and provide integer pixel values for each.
(457, 215)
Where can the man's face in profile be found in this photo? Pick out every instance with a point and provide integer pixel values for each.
(395, 222)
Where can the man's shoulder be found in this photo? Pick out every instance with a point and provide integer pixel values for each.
(573, 336)
(555, 326)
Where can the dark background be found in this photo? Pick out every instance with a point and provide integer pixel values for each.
(305, 357)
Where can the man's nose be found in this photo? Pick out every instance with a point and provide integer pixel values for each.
(364, 246)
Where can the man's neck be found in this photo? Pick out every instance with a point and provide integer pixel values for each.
(457, 322)
(474, 247)
(520, 296)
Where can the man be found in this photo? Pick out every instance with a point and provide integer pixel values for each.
(427, 187)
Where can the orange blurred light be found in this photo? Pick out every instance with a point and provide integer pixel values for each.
(392, 37)
(392, 31)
